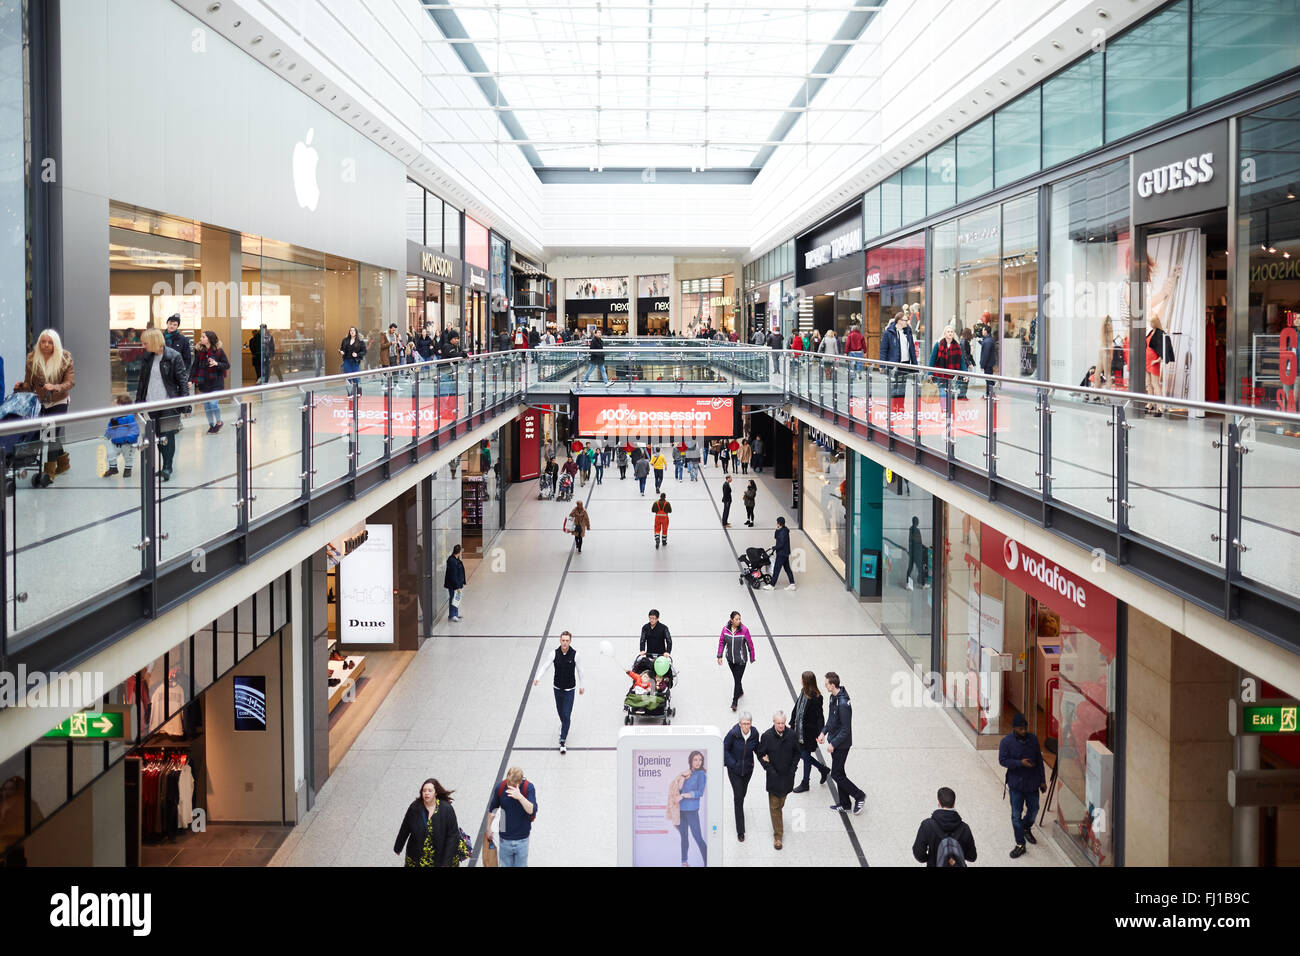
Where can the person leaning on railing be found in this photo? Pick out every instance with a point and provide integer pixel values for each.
(50, 376)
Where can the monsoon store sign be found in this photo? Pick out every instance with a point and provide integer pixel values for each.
(600, 417)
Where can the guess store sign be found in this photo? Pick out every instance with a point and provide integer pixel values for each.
(1081, 602)
(333, 414)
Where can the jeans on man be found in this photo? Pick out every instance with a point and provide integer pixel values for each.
(564, 707)
(758, 462)
(1024, 807)
(678, 465)
(659, 478)
(693, 466)
(512, 852)
(591, 367)
(600, 469)
(453, 612)
(739, 786)
(845, 789)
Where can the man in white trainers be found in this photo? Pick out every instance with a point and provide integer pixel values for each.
(782, 555)
(568, 676)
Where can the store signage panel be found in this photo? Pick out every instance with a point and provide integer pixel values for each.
(1271, 717)
(332, 414)
(250, 701)
(603, 416)
(828, 251)
(421, 260)
(366, 590)
(647, 304)
(969, 415)
(530, 444)
(1182, 176)
(595, 306)
(1082, 603)
(478, 279)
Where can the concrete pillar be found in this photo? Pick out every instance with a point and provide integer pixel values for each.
(1178, 749)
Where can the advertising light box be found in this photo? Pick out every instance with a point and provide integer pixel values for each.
(610, 416)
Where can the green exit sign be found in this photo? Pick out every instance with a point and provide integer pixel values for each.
(91, 725)
(1265, 719)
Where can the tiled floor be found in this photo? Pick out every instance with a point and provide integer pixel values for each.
(466, 707)
(221, 844)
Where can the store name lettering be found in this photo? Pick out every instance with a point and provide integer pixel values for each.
(837, 248)
(435, 265)
(873, 279)
(661, 305)
(354, 542)
(1269, 271)
(618, 307)
(719, 301)
(1192, 171)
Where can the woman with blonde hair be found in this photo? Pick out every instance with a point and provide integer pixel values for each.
(50, 376)
(163, 376)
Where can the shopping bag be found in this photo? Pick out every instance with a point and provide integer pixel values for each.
(489, 856)
(929, 388)
(570, 524)
(455, 598)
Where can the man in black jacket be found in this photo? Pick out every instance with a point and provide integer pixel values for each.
(943, 823)
(726, 502)
(176, 340)
(838, 738)
(738, 755)
(1020, 754)
(655, 637)
(779, 750)
(782, 553)
(596, 359)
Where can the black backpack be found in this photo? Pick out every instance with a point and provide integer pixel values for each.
(949, 852)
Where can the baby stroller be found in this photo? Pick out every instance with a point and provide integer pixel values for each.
(22, 452)
(566, 488)
(755, 567)
(657, 703)
(545, 489)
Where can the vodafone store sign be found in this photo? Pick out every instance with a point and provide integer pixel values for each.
(1079, 601)
(602, 416)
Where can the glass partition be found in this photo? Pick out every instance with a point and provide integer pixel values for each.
(1146, 73)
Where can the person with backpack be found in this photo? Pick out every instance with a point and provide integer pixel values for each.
(943, 838)
(641, 471)
(429, 832)
(517, 799)
(621, 458)
(568, 675)
(1022, 757)
(661, 509)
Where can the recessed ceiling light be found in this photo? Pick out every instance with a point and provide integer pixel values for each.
(1036, 58)
(1003, 82)
(1078, 29)
(1103, 13)
(305, 78)
(274, 54)
(236, 24)
(257, 39)
(321, 88)
(292, 65)
(1057, 44)
(213, 7)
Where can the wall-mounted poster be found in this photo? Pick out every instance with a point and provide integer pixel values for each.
(250, 702)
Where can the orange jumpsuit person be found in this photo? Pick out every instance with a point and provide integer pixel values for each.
(661, 509)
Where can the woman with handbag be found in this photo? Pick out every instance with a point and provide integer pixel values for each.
(454, 580)
(429, 832)
(50, 377)
(353, 350)
(209, 375)
(163, 376)
(578, 523)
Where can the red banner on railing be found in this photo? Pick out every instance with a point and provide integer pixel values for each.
(333, 414)
(969, 415)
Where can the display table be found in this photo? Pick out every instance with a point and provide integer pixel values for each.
(347, 677)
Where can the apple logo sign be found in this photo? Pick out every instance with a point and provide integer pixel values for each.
(305, 159)
(1010, 554)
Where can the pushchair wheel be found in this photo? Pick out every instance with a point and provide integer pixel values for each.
(667, 721)
(628, 720)
(672, 711)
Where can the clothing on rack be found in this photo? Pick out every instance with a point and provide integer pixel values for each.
(166, 793)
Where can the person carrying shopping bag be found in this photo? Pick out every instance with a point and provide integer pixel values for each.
(578, 523)
(454, 581)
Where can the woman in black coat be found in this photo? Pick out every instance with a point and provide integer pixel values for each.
(173, 382)
(429, 830)
(453, 580)
(807, 722)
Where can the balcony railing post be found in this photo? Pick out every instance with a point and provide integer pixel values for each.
(388, 417)
(1044, 473)
(149, 495)
(1120, 500)
(354, 433)
(415, 409)
(308, 447)
(991, 439)
(915, 388)
(866, 410)
(1236, 455)
(244, 466)
(848, 408)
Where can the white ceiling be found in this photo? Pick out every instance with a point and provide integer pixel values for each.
(577, 76)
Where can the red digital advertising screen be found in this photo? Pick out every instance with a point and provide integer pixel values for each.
(608, 416)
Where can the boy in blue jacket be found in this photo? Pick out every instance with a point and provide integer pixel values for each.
(122, 434)
(1023, 758)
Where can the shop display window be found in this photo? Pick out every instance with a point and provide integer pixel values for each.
(871, 214)
(824, 488)
(914, 192)
(908, 567)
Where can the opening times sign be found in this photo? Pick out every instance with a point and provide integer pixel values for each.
(702, 417)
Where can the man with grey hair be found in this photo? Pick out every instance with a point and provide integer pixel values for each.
(778, 749)
(738, 749)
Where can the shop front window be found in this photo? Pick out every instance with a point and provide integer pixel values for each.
(1238, 43)
(908, 568)
(476, 244)
(1269, 237)
(415, 212)
(895, 281)
(1021, 322)
(1146, 73)
(824, 493)
(414, 301)
(1071, 120)
(1087, 305)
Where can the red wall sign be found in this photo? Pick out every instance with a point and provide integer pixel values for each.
(333, 413)
(1081, 602)
(969, 415)
(530, 443)
(603, 416)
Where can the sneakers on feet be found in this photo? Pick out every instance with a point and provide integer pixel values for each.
(790, 587)
(1030, 836)
(126, 472)
(857, 806)
(563, 749)
(838, 809)
(802, 788)
(768, 587)
(112, 470)
(1018, 852)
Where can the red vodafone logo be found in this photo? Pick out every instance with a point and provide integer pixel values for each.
(1010, 553)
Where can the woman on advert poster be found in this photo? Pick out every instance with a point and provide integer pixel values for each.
(689, 791)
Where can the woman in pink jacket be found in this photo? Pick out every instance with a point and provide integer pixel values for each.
(738, 647)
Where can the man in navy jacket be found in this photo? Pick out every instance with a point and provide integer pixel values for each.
(1023, 758)
(782, 551)
(837, 735)
(738, 755)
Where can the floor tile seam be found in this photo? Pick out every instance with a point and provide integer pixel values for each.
(776, 653)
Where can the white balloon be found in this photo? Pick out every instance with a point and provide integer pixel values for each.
(606, 649)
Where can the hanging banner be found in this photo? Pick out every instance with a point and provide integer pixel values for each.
(603, 416)
(333, 414)
(530, 444)
(969, 415)
(1082, 603)
(366, 590)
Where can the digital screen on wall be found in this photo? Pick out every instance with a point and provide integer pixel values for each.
(658, 417)
(250, 702)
